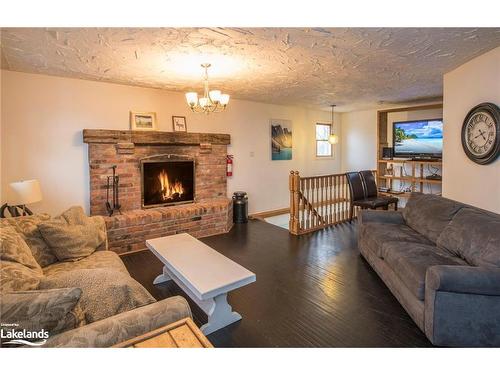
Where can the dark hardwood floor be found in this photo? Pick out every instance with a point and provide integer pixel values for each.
(311, 291)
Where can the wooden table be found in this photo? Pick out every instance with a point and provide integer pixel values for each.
(181, 334)
(203, 273)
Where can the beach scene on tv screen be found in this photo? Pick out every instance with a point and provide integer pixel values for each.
(422, 137)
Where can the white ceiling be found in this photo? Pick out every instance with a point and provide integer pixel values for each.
(352, 67)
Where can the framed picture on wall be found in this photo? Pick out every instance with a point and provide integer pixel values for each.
(281, 140)
(179, 124)
(143, 121)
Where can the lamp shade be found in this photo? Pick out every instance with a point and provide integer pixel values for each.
(203, 102)
(25, 192)
(192, 98)
(215, 95)
(333, 139)
(224, 99)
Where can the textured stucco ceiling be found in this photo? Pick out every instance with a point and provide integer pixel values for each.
(353, 67)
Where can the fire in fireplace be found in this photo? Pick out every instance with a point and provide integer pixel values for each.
(167, 182)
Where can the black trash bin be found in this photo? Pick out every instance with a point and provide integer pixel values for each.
(240, 207)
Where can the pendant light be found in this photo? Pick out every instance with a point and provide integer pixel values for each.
(333, 138)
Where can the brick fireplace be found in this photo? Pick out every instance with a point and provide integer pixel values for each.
(160, 162)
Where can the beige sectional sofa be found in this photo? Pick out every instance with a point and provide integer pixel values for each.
(84, 297)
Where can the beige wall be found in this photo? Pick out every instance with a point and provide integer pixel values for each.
(43, 118)
(472, 83)
(359, 140)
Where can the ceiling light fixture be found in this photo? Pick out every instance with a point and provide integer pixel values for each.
(333, 138)
(212, 100)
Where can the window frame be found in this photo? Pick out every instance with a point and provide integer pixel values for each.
(316, 140)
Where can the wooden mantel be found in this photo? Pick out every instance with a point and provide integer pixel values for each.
(153, 137)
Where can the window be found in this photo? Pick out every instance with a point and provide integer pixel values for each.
(323, 147)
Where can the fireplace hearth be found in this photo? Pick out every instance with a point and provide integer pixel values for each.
(167, 182)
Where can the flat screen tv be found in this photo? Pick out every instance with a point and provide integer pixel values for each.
(422, 138)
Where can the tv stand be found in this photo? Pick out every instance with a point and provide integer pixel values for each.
(434, 177)
(410, 171)
(406, 175)
(423, 158)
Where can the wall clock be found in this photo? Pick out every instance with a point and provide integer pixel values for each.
(481, 133)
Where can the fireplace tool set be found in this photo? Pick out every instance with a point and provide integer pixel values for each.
(112, 185)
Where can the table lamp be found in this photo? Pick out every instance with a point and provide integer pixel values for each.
(24, 193)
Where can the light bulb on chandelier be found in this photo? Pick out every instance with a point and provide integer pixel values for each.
(212, 100)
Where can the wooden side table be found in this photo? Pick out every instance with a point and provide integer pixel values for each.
(181, 334)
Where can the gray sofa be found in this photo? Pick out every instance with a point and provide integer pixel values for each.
(441, 260)
(89, 302)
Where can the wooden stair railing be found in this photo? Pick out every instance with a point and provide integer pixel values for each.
(317, 202)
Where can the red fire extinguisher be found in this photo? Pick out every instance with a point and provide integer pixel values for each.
(229, 165)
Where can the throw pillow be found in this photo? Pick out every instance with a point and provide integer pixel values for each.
(27, 227)
(76, 216)
(17, 277)
(55, 310)
(101, 225)
(106, 292)
(18, 268)
(13, 248)
(73, 235)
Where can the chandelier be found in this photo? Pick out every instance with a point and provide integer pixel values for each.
(212, 100)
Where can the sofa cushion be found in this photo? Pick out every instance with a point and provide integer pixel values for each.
(73, 235)
(410, 262)
(377, 234)
(124, 326)
(100, 224)
(27, 226)
(18, 268)
(429, 214)
(96, 260)
(54, 310)
(105, 292)
(13, 248)
(76, 216)
(473, 235)
(17, 277)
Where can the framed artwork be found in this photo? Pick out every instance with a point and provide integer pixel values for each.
(179, 124)
(281, 140)
(143, 121)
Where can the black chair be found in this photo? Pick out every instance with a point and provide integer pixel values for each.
(364, 192)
